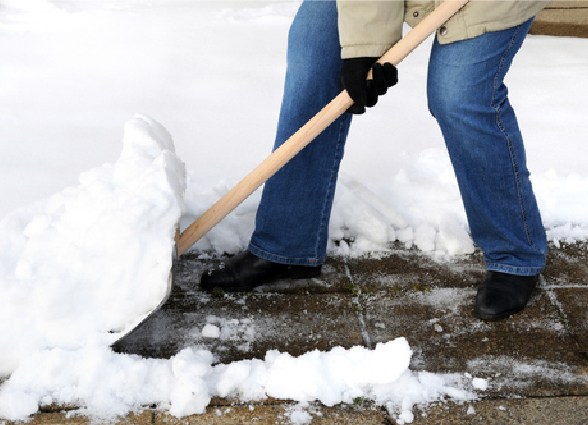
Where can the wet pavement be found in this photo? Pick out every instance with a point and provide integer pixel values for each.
(535, 362)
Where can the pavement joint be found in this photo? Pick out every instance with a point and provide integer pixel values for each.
(357, 306)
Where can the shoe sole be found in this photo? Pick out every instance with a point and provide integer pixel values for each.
(297, 274)
(497, 317)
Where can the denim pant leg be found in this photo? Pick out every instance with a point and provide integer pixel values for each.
(292, 220)
(467, 96)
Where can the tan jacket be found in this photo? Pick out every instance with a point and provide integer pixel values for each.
(369, 28)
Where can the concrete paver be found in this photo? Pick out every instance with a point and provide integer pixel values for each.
(574, 305)
(447, 338)
(553, 410)
(249, 325)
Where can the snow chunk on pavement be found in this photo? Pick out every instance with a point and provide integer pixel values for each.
(210, 331)
(480, 384)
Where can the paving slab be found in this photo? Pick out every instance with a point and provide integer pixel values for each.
(530, 354)
(574, 307)
(248, 326)
(279, 414)
(567, 264)
(401, 269)
(566, 282)
(68, 418)
(294, 316)
(527, 411)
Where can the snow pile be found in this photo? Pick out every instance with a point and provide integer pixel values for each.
(95, 257)
(362, 220)
(563, 200)
(110, 384)
(340, 376)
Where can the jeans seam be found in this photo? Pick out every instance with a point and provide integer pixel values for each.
(511, 152)
(332, 182)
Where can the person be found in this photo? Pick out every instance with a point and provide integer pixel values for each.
(332, 46)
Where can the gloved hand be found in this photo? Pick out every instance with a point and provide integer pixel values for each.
(365, 92)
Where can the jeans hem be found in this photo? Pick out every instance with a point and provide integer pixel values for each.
(518, 271)
(311, 262)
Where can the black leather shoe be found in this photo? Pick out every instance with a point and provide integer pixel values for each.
(246, 271)
(501, 294)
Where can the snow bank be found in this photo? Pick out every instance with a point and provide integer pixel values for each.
(91, 258)
(362, 221)
(110, 384)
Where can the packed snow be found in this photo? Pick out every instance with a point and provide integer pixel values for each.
(192, 89)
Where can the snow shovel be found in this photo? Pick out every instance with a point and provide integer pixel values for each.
(301, 138)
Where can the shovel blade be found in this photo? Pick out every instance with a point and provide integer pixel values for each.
(119, 346)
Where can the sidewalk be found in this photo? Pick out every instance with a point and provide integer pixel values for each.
(536, 362)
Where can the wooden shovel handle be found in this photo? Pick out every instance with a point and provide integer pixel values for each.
(309, 131)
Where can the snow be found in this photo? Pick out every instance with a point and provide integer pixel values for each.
(87, 222)
(111, 384)
(210, 331)
(480, 384)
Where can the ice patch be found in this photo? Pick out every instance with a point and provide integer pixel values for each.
(446, 299)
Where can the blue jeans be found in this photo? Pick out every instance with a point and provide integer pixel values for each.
(292, 222)
(468, 98)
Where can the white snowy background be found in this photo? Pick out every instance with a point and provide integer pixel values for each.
(84, 217)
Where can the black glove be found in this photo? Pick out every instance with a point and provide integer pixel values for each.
(365, 92)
